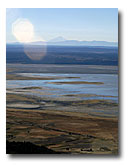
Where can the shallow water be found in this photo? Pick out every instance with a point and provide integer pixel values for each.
(108, 90)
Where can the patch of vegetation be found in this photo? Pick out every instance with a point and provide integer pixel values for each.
(77, 82)
(27, 148)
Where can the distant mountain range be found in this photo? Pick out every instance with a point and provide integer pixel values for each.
(60, 41)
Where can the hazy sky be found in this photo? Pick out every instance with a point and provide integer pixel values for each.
(71, 23)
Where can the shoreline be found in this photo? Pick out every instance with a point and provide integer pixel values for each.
(64, 69)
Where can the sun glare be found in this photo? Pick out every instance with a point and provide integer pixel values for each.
(23, 30)
(34, 46)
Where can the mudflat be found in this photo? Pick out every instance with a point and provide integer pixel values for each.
(51, 68)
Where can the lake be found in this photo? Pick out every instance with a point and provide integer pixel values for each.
(107, 90)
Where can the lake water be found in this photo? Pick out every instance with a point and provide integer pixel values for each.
(108, 90)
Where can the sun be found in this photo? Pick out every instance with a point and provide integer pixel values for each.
(23, 30)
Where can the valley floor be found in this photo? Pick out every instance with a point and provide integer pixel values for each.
(62, 125)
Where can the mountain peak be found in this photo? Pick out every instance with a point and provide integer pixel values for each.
(57, 39)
